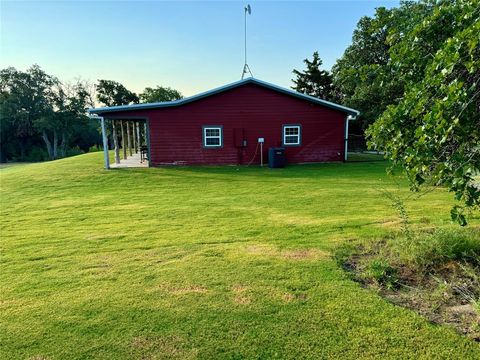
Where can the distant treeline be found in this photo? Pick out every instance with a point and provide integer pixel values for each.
(43, 118)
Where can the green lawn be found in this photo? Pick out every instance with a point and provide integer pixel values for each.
(212, 262)
(366, 156)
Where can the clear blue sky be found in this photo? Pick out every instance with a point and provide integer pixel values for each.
(191, 46)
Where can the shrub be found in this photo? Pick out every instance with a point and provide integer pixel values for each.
(37, 154)
(74, 151)
(426, 251)
(94, 148)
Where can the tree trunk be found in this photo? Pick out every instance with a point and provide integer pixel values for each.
(48, 144)
(63, 145)
(22, 149)
(115, 143)
(55, 145)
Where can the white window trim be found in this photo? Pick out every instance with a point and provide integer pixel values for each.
(299, 135)
(220, 136)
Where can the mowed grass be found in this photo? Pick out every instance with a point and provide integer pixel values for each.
(203, 262)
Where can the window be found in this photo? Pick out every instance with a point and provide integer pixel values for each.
(291, 134)
(212, 136)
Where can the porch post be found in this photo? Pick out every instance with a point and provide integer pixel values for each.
(124, 148)
(145, 132)
(147, 142)
(129, 139)
(115, 143)
(137, 127)
(105, 144)
(134, 136)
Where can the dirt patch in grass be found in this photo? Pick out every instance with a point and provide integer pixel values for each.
(161, 347)
(443, 286)
(287, 254)
(191, 289)
(443, 297)
(288, 297)
(303, 254)
(241, 295)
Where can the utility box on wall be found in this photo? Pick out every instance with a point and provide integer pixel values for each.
(276, 157)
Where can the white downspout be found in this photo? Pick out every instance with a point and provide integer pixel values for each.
(346, 136)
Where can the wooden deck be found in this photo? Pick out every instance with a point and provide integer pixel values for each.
(130, 162)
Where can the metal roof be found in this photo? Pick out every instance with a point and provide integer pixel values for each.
(233, 85)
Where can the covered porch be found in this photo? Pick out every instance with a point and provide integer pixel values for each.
(129, 139)
(133, 161)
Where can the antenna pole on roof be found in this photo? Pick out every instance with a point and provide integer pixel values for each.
(246, 68)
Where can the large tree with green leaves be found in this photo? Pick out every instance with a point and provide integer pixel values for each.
(433, 130)
(160, 94)
(364, 75)
(26, 98)
(112, 93)
(70, 102)
(314, 80)
(36, 107)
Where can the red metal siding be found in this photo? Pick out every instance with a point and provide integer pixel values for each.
(176, 132)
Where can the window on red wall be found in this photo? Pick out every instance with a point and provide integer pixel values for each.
(212, 136)
(292, 135)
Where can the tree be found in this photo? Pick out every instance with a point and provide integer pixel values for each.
(159, 94)
(315, 81)
(37, 110)
(70, 102)
(26, 98)
(364, 75)
(112, 93)
(433, 131)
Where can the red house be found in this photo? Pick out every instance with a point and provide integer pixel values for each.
(225, 125)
